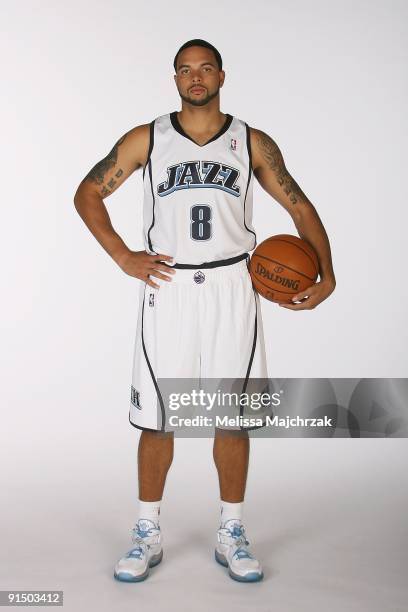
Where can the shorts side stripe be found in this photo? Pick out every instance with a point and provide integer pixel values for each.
(253, 350)
(152, 373)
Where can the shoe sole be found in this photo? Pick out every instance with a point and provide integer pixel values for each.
(126, 577)
(250, 577)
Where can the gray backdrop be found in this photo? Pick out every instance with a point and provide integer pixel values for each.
(327, 80)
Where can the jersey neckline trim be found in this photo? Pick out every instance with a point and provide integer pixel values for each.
(175, 123)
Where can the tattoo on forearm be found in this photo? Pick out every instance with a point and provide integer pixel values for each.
(271, 153)
(98, 172)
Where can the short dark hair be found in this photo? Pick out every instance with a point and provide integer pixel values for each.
(197, 42)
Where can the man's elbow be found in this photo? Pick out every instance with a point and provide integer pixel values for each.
(77, 196)
(303, 211)
(82, 193)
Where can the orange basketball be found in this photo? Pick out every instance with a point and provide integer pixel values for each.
(282, 266)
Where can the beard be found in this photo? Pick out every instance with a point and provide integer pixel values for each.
(201, 102)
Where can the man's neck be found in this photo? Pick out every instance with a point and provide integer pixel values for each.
(201, 120)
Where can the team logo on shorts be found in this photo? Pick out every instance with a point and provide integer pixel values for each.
(135, 398)
(233, 144)
(151, 299)
(199, 277)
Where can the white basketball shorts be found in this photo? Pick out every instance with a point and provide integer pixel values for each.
(205, 323)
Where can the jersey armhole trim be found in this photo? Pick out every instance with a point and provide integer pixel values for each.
(151, 144)
(248, 140)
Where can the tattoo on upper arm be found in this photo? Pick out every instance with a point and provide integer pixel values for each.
(271, 153)
(98, 172)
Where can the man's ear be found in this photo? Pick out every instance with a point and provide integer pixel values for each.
(222, 78)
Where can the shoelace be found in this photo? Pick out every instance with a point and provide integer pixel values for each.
(238, 534)
(136, 538)
(142, 537)
(242, 542)
(238, 537)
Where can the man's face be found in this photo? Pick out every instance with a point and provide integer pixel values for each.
(198, 78)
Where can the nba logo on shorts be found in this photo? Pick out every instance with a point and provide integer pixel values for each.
(233, 144)
(199, 277)
(151, 299)
(135, 398)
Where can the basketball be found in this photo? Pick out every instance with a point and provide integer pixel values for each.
(282, 266)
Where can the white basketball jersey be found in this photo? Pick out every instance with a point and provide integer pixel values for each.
(198, 198)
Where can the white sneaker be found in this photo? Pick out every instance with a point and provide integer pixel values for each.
(232, 552)
(146, 553)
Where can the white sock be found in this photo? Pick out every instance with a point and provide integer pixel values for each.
(150, 510)
(231, 511)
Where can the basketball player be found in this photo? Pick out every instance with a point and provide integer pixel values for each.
(199, 315)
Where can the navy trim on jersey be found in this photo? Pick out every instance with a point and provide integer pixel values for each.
(248, 142)
(154, 201)
(159, 396)
(248, 133)
(253, 349)
(175, 123)
(151, 143)
(210, 264)
(241, 410)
